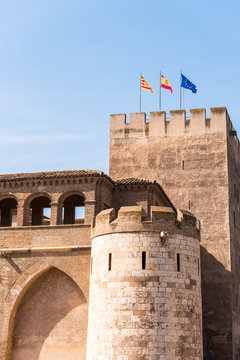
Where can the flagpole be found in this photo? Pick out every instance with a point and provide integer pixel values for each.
(183, 97)
(140, 93)
(180, 89)
(160, 93)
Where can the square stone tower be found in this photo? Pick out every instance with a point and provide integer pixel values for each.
(197, 161)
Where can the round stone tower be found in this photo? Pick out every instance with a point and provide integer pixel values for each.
(145, 294)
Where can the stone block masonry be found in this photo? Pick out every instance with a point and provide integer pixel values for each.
(144, 307)
(196, 160)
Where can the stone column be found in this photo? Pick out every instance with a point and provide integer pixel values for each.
(59, 214)
(20, 213)
(56, 213)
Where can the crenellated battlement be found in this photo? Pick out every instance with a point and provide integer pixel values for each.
(177, 124)
(131, 219)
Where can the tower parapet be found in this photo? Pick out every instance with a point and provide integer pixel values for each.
(177, 124)
(145, 291)
(131, 219)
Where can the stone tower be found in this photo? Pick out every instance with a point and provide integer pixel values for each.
(196, 160)
(145, 291)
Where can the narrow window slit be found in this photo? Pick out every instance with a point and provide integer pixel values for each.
(109, 262)
(183, 165)
(143, 260)
(178, 262)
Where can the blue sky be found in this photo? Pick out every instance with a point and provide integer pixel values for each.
(66, 65)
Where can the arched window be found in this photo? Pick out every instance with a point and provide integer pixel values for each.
(8, 212)
(73, 210)
(40, 211)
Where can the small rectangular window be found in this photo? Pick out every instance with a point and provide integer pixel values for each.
(183, 165)
(178, 262)
(198, 266)
(109, 262)
(144, 260)
(189, 205)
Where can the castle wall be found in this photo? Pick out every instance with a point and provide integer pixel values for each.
(234, 224)
(188, 157)
(29, 237)
(27, 255)
(150, 313)
(22, 314)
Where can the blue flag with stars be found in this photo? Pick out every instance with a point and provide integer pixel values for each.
(187, 84)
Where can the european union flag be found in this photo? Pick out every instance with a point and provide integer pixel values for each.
(187, 84)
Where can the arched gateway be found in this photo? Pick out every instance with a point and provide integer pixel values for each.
(51, 320)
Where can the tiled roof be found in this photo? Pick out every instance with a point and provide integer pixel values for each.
(142, 181)
(81, 173)
(135, 181)
(51, 175)
(72, 174)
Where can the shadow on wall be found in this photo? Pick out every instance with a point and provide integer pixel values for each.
(51, 320)
(216, 298)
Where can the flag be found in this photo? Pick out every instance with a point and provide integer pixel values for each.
(144, 85)
(165, 84)
(187, 84)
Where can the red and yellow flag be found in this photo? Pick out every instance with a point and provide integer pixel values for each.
(165, 84)
(144, 85)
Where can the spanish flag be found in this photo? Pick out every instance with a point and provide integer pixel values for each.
(144, 85)
(165, 84)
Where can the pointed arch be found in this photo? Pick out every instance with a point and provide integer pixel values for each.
(27, 280)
